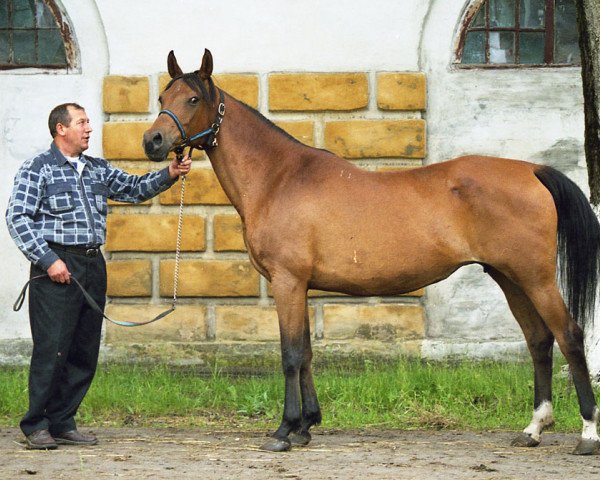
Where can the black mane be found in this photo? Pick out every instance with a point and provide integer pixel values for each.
(269, 123)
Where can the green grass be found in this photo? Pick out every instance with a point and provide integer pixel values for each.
(405, 394)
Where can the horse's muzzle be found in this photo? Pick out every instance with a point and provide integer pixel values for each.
(155, 147)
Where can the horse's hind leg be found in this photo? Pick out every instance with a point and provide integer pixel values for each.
(290, 299)
(569, 336)
(311, 411)
(540, 342)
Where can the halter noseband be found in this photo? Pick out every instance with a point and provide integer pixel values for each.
(210, 133)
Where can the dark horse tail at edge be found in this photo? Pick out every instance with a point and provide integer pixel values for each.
(578, 234)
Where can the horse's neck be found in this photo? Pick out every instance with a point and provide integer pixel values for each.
(250, 158)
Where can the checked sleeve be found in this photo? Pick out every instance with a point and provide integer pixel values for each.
(124, 187)
(20, 213)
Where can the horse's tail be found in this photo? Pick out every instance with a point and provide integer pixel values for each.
(578, 234)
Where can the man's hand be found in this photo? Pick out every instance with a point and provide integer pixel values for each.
(177, 169)
(58, 272)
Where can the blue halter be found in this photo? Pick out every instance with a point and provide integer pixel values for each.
(211, 132)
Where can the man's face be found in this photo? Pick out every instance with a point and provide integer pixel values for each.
(76, 135)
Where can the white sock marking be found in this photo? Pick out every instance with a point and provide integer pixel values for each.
(590, 431)
(542, 417)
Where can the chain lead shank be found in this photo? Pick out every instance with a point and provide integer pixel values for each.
(179, 156)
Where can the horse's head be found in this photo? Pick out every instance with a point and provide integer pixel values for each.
(190, 112)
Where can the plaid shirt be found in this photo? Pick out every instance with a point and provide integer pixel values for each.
(51, 202)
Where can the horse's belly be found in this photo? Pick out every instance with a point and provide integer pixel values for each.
(389, 278)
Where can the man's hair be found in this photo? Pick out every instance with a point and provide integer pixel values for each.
(60, 114)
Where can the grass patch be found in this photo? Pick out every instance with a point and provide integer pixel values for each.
(406, 394)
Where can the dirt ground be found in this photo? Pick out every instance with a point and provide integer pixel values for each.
(133, 453)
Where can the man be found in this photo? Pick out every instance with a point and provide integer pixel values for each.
(57, 217)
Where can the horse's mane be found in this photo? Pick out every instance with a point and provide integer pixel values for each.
(269, 123)
(193, 80)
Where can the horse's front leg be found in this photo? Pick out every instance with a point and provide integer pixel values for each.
(311, 411)
(290, 299)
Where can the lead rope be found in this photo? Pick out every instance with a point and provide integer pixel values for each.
(178, 242)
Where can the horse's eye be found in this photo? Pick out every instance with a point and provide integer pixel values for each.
(194, 100)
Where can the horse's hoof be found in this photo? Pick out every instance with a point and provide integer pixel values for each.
(300, 438)
(276, 445)
(587, 447)
(524, 440)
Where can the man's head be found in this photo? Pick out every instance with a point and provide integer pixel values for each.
(70, 128)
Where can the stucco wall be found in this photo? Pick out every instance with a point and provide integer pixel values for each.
(26, 98)
(533, 114)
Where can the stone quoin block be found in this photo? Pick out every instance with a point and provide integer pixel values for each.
(123, 140)
(318, 91)
(302, 131)
(240, 86)
(201, 188)
(376, 138)
(153, 233)
(126, 94)
(385, 322)
(186, 324)
(228, 236)
(247, 323)
(129, 278)
(401, 91)
(210, 278)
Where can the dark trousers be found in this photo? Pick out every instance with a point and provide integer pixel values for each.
(66, 340)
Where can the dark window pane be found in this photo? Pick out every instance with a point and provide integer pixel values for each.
(52, 50)
(502, 13)
(532, 47)
(45, 18)
(4, 47)
(24, 46)
(474, 51)
(532, 13)
(502, 47)
(23, 14)
(479, 19)
(566, 38)
(3, 13)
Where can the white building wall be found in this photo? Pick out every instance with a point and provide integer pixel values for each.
(533, 114)
(26, 98)
(265, 35)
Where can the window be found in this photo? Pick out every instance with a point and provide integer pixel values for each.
(34, 34)
(519, 32)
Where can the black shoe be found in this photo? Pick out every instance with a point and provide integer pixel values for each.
(40, 440)
(75, 437)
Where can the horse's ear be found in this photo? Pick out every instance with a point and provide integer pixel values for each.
(174, 69)
(207, 65)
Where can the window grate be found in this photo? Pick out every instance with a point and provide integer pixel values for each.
(34, 34)
(511, 33)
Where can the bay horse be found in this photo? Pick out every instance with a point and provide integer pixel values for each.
(312, 220)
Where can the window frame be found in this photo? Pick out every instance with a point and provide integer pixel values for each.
(548, 28)
(68, 39)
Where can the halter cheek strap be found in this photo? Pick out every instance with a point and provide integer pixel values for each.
(211, 132)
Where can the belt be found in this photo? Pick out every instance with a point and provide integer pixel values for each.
(77, 250)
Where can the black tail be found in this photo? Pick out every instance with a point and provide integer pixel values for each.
(578, 244)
